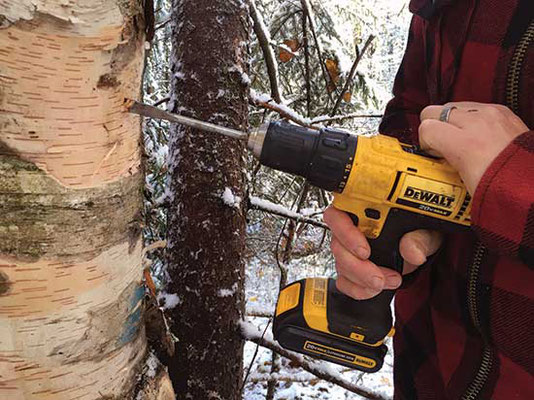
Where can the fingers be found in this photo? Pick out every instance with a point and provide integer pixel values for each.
(439, 138)
(347, 233)
(356, 291)
(365, 278)
(416, 246)
(357, 276)
(460, 114)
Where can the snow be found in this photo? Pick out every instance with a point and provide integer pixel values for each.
(171, 300)
(260, 97)
(245, 79)
(230, 199)
(265, 98)
(151, 364)
(228, 292)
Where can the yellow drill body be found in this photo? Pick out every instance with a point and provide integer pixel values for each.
(386, 174)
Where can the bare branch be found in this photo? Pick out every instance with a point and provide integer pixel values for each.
(264, 40)
(251, 333)
(258, 314)
(162, 24)
(161, 101)
(306, 60)
(309, 12)
(351, 74)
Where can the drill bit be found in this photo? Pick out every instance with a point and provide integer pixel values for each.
(154, 112)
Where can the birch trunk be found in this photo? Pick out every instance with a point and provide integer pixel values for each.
(206, 233)
(70, 199)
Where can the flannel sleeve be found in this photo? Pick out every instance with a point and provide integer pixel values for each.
(503, 204)
(401, 117)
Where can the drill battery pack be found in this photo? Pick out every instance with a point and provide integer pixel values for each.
(314, 318)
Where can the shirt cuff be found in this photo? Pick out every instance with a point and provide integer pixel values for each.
(504, 195)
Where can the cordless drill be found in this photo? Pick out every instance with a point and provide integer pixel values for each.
(388, 188)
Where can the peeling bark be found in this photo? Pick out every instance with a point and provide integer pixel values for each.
(206, 236)
(56, 113)
(71, 289)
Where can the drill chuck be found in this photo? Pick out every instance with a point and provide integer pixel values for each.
(324, 157)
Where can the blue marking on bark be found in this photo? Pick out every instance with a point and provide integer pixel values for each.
(137, 296)
(133, 322)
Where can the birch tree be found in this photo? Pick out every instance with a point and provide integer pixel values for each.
(71, 287)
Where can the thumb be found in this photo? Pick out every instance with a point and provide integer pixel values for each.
(416, 246)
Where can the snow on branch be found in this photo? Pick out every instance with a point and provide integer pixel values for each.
(304, 377)
(256, 203)
(320, 369)
(253, 310)
(326, 118)
(265, 101)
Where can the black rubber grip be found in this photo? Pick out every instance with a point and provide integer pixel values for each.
(374, 315)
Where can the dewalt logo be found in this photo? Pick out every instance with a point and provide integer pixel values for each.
(436, 199)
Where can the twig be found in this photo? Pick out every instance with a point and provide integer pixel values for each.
(306, 60)
(161, 101)
(270, 59)
(255, 203)
(150, 20)
(162, 24)
(258, 314)
(351, 74)
(253, 358)
(284, 20)
(286, 255)
(160, 244)
(310, 379)
(308, 11)
(251, 333)
(322, 119)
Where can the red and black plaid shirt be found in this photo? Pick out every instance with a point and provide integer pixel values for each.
(461, 50)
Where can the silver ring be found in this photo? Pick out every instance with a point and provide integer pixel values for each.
(446, 113)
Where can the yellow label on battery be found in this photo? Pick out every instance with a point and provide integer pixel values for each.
(288, 299)
(429, 195)
(337, 354)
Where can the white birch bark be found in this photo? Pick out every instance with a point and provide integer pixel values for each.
(70, 196)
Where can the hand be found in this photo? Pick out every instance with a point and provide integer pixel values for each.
(360, 278)
(474, 136)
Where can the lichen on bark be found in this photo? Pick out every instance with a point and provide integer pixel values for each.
(41, 218)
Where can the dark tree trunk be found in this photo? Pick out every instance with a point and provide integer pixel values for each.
(206, 235)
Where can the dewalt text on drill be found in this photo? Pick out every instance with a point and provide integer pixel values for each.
(389, 188)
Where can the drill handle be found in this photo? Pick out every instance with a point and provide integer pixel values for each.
(385, 248)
